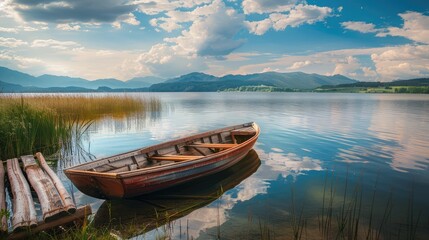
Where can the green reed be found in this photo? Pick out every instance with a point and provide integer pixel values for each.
(25, 130)
(298, 222)
(357, 219)
(48, 123)
(86, 107)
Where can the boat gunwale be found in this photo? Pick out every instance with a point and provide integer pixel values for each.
(186, 163)
(132, 173)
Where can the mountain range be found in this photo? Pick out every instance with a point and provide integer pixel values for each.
(48, 81)
(200, 82)
(15, 81)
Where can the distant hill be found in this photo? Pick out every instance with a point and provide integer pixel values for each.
(419, 85)
(411, 82)
(294, 80)
(144, 80)
(47, 81)
(200, 82)
(14, 81)
(15, 88)
(11, 76)
(193, 77)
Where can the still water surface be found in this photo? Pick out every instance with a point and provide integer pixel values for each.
(363, 156)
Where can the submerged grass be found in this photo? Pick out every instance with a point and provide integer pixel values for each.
(360, 219)
(47, 123)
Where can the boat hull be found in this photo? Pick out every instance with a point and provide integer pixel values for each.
(134, 217)
(144, 181)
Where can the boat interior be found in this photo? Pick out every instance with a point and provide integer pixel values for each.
(184, 149)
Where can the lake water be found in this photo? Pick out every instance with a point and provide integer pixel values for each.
(325, 165)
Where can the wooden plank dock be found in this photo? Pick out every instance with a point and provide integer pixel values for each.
(57, 207)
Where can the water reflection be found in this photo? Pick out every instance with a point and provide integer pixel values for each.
(400, 127)
(383, 137)
(135, 122)
(78, 150)
(134, 217)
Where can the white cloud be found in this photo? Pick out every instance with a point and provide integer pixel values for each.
(360, 27)
(51, 43)
(268, 69)
(267, 6)
(167, 61)
(369, 72)
(81, 62)
(382, 64)
(259, 27)
(128, 19)
(402, 62)
(32, 29)
(213, 35)
(8, 30)
(68, 27)
(151, 7)
(298, 15)
(175, 18)
(167, 24)
(347, 67)
(415, 27)
(11, 42)
(13, 61)
(298, 65)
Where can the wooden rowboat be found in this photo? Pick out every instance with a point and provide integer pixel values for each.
(129, 218)
(164, 165)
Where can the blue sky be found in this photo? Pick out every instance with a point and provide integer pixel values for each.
(379, 40)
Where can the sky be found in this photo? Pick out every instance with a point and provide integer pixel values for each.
(381, 40)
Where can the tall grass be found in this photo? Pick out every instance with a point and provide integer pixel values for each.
(86, 107)
(47, 123)
(25, 130)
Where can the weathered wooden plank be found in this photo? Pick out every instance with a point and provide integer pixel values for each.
(199, 151)
(49, 198)
(3, 220)
(24, 213)
(213, 145)
(65, 196)
(174, 157)
(139, 160)
(244, 131)
(112, 166)
(77, 217)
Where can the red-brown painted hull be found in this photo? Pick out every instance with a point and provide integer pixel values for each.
(143, 181)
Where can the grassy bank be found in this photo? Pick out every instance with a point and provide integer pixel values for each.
(45, 123)
(393, 89)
